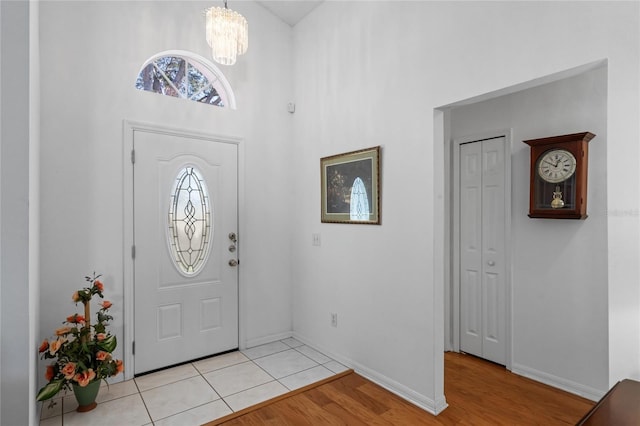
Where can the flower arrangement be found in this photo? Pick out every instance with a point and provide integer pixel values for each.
(82, 351)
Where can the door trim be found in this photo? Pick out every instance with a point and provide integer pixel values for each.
(454, 294)
(129, 127)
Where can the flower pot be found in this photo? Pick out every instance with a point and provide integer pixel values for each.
(86, 396)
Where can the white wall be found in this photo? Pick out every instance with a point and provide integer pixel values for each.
(372, 73)
(91, 53)
(17, 287)
(559, 268)
(34, 201)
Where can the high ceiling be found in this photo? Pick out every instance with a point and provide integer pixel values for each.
(290, 11)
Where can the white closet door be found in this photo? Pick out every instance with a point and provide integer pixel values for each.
(482, 249)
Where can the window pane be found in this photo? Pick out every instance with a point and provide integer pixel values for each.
(182, 78)
(189, 226)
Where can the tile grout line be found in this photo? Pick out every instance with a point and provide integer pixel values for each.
(159, 386)
(143, 401)
(252, 387)
(278, 380)
(211, 386)
(223, 399)
(188, 409)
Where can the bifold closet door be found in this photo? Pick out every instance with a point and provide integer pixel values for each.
(482, 249)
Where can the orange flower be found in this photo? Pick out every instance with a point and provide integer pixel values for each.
(75, 319)
(100, 337)
(102, 355)
(62, 331)
(75, 297)
(48, 375)
(55, 345)
(85, 377)
(119, 366)
(106, 304)
(44, 346)
(99, 285)
(69, 370)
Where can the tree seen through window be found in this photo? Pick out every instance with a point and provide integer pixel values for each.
(183, 77)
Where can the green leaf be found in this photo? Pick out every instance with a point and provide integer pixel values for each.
(50, 390)
(108, 344)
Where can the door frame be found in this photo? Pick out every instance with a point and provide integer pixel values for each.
(454, 243)
(129, 128)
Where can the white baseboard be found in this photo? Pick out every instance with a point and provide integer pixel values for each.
(266, 339)
(427, 404)
(558, 382)
(434, 407)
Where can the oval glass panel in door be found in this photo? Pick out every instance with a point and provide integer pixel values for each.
(190, 226)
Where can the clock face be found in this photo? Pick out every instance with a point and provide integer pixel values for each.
(556, 165)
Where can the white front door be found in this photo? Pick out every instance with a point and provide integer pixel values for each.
(482, 249)
(185, 227)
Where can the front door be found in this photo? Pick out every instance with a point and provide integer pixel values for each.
(185, 261)
(482, 254)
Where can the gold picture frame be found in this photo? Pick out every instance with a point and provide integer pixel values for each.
(350, 187)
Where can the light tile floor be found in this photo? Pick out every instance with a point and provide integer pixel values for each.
(201, 391)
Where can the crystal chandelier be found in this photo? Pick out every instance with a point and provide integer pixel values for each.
(227, 34)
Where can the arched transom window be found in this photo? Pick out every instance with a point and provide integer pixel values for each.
(186, 75)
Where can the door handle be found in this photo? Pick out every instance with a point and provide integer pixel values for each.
(491, 263)
(233, 262)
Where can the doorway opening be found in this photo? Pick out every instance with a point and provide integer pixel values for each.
(544, 107)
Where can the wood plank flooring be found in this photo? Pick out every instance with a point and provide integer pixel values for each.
(478, 393)
(481, 393)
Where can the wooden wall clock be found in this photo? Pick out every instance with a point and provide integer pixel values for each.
(558, 183)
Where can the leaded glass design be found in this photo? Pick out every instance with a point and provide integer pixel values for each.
(359, 202)
(183, 77)
(190, 225)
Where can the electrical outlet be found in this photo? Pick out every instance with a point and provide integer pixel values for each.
(315, 239)
(334, 320)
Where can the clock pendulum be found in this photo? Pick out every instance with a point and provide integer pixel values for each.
(557, 202)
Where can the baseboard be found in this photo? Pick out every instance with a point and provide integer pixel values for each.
(434, 407)
(266, 339)
(427, 404)
(558, 382)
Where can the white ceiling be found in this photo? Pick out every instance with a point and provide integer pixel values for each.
(290, 11)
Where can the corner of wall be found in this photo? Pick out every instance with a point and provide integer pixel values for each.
(34, 200)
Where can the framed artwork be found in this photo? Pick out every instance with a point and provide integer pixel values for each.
(350, 190)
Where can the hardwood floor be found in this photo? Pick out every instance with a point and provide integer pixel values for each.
(481, 393)
(478, 393)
